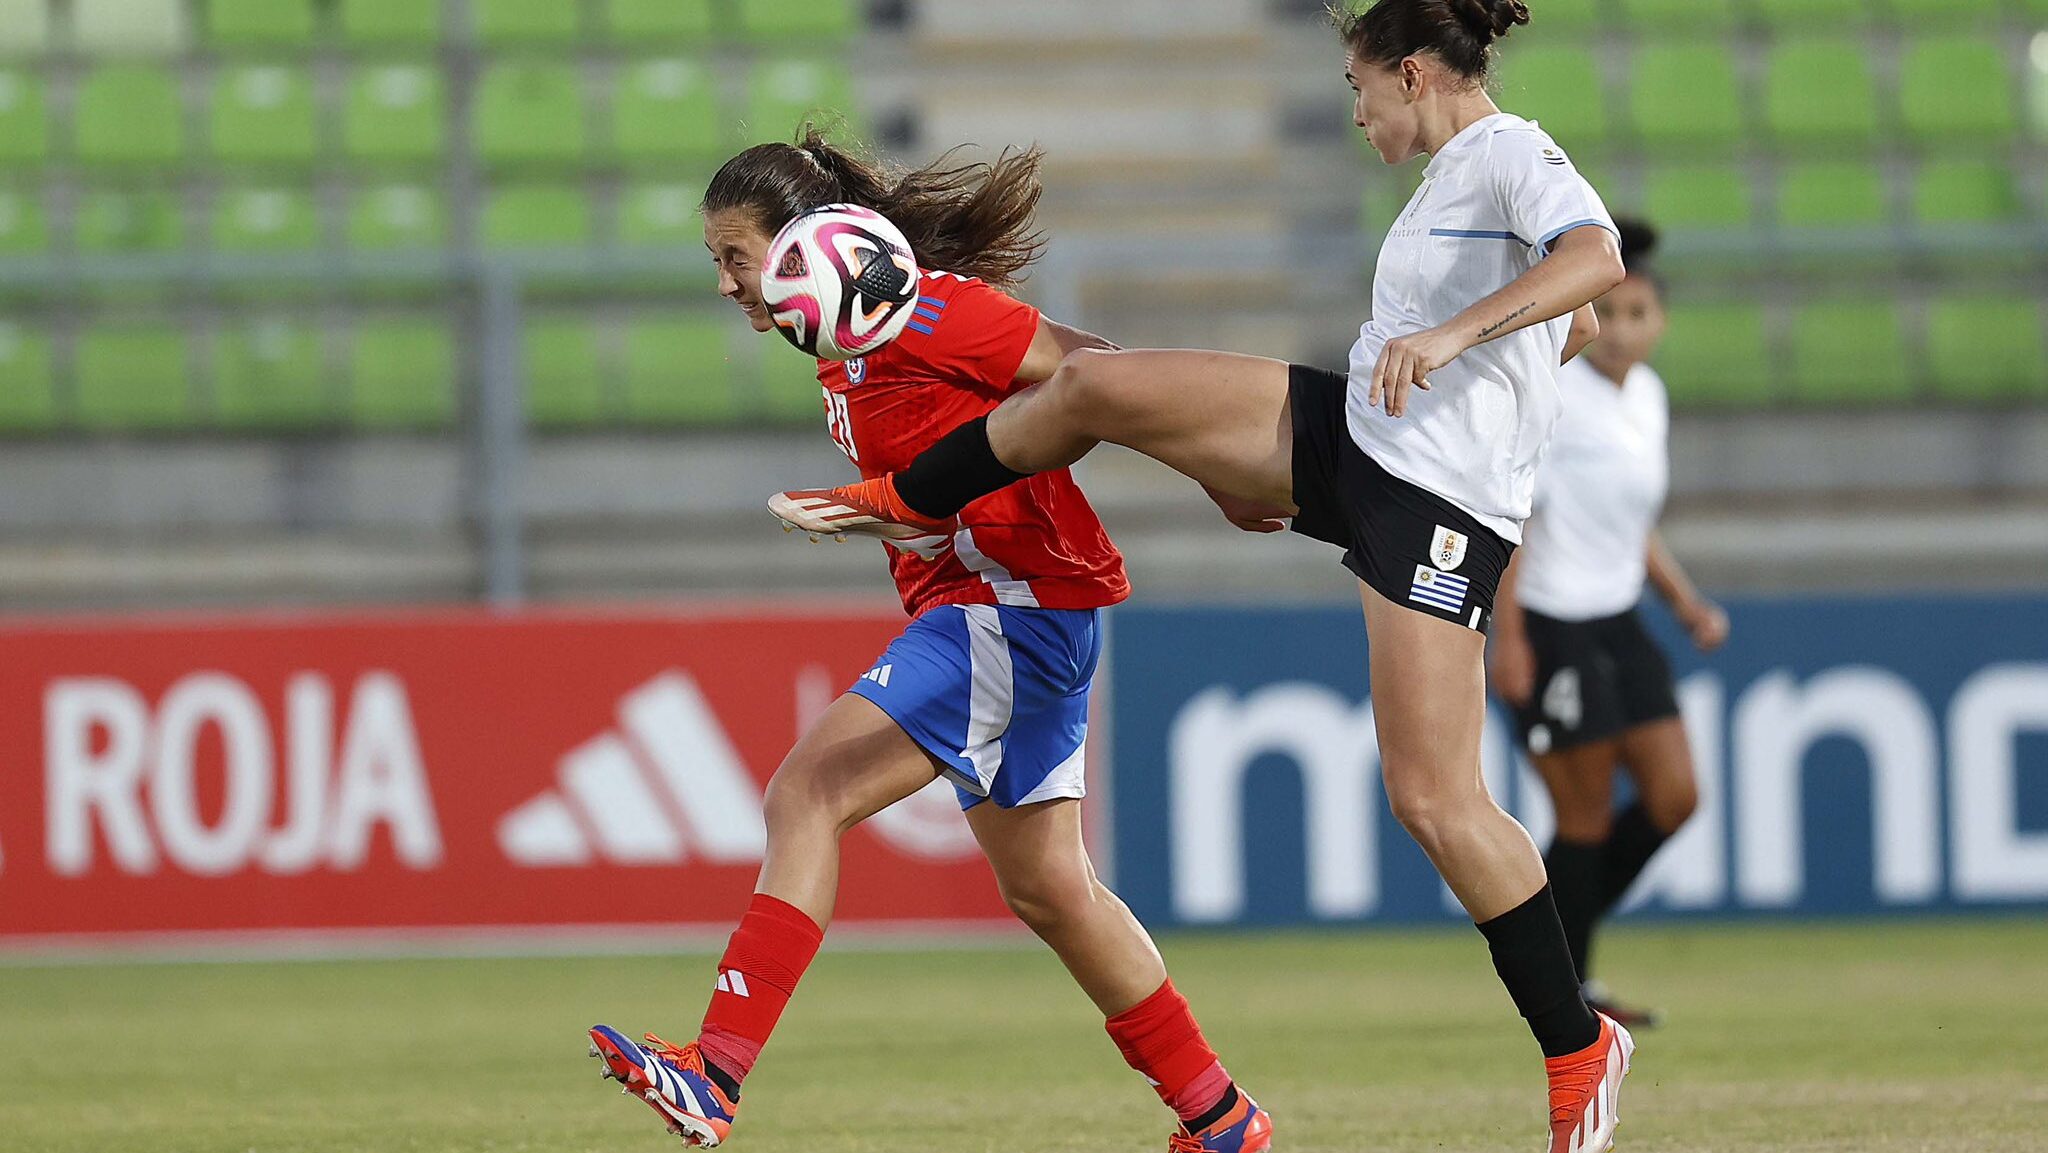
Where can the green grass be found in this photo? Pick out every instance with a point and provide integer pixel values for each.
(1930, 1037)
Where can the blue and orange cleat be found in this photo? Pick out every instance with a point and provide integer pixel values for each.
(1243, 1128)
(671, 1080)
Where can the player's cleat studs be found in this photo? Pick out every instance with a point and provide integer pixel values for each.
(593, 1051)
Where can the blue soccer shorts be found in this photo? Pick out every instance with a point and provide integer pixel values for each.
(998, 695)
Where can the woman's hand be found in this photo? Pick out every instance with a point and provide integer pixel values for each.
(1250, 515)
(1511, 666)
(1705, 622)
(1406, 362)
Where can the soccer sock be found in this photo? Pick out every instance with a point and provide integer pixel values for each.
(954, 473)
(763, 962)
(1575, 878)
(1160, 1039)
(1530, 954)
(1634, 840)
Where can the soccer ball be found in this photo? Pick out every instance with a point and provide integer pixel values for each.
(840, 282)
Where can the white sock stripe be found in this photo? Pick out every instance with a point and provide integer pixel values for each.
(739, 984)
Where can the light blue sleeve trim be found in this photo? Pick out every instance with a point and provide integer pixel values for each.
(1545, 243)
(1472, 234)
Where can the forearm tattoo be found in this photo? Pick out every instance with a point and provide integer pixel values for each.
(1509, 319)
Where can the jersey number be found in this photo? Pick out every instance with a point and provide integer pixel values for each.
(840, 422)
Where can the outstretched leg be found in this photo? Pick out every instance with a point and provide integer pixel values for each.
(1042, 867)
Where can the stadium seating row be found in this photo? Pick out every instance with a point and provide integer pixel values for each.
(1688, 17)
(168, 27)
(1856, 352)
(1956, 90)
(582, 371)
(658, 112)
(369, 218)
(386, 374)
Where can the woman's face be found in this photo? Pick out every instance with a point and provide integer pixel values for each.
(1631, 324)
(738, 246)
(1385, 106)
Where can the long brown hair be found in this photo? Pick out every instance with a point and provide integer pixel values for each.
(973, 219)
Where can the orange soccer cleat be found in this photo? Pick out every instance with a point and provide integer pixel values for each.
(870, 508)
(1585, 1091)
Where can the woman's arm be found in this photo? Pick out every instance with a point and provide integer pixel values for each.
(1583, 264)
(1585, 330)
(1051, 345)
(1703, 620)
(1510, 661)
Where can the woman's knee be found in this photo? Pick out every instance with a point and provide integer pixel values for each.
(1670, 804)
(1087, 389)
(1048, 900)
(1430, 808)
(798, 801)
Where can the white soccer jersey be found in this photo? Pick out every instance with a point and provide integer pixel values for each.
(1598, 496)
(1490, 205)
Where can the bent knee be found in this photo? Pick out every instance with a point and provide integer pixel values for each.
(1046, 903)
(797, 801)
(1429, 810)
(1671, 806)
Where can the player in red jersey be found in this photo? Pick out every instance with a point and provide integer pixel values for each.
(989, 684)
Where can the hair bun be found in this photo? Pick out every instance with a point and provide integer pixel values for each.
(1491, 19)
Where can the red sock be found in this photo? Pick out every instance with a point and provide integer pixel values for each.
(1160, 1039)
(763, 962)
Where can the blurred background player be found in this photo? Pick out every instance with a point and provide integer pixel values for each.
(1420, 465)
(988, 687)
(1591, 690)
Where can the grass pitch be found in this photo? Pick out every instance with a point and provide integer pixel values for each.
(1930, 1037)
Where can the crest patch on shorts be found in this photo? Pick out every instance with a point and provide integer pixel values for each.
(1447, 549)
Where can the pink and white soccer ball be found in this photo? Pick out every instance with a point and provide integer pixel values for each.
(840, 281)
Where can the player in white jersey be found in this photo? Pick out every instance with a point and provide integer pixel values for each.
(1591, 690)
(1419, 465)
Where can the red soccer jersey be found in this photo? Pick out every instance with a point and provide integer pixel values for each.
(1035, 544)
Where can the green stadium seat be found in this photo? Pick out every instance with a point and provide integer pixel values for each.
(1675, 17)
(391, 23)
(1799, 14)
(536, 216)
(28, 402)
(1715, 354)
(1986, 349)
(666, 110)
(24, 124)
(264, 114)
(678, 372)
(395, 217)
(783, 94)
(1560, 87)
(24, 28)
(402, 375)
(530, 113)
(1956, 90)
(781, 22)
(1965, 192)
(23, 231)
(1820, 92)
(270, 373)
(1930, 12)
(129, 114)
(133, 377)
(394, 112)
(565, 373)
(639, 22)
(265, 220)
(1831, 194)
(789, 391)
(661, 215)
(1685, 99)
(240, 24)
(142, 220)
(1690, 196)
(502, 23)
(1850, 352)
(128, 27)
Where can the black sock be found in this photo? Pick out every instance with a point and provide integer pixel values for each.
(1534, 963)
(1627, 851)
(723, 1080)
(1575, 880)
(1216, 1113)
(954, 473)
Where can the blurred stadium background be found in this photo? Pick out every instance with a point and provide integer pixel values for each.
(359, 308)
(267, 264)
